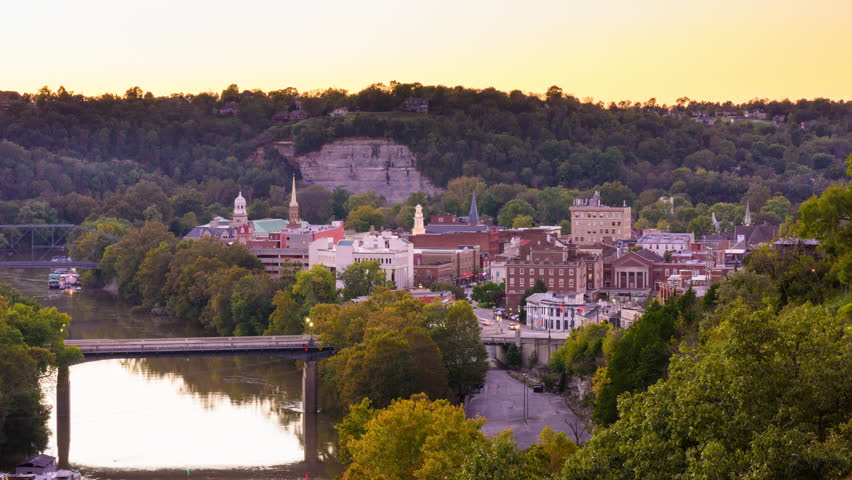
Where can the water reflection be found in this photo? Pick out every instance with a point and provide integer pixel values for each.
(222, 417)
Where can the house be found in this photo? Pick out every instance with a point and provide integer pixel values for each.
(281, 117)
(229, 109)
(414, 104)
(298, 115)
(338, 112)
(37, 464)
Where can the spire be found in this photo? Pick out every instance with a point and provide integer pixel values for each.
(293, 202)
(294, 221)
(715, 222)
(747, 219)
(473, 216)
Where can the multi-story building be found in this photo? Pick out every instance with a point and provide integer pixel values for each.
(395, 255)
(559, 265)
(592, 222)
(451, 265)
(662, 242)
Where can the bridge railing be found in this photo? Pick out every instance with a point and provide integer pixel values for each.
(194, 344)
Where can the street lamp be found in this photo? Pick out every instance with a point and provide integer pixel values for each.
(310, 325)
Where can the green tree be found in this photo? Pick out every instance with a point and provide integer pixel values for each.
(287, 318)
(414, 439)
(828, 218)
(361, 278)
(512, 209)
(456, 331)
(122, 260)
(766, 396)
(523, 221)
(502, 455)
(489, 292)
(364, 217)
(314, 286)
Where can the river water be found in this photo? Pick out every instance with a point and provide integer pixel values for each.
(201, 417)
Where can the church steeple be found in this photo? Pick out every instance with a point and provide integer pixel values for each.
(473, 216)
(747, 219)
(294, 221)
(240, 215)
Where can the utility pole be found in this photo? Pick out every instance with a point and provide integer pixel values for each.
(525, 398)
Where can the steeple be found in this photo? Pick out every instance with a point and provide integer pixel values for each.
(418, 229)
(716, 224)
(240, 215)
(294, 221)
(473, 216)
(747, 219)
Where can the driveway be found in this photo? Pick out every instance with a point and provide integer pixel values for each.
(501, 403)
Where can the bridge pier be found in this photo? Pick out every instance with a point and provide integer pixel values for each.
(310, 402)
(63, 415)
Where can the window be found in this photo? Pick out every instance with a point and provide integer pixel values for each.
(522, 271)
(561, 282)
(550, 283)
(512, 281)
(571, 282)
(550, 271)
(561, 271)
(523, 282)
(512, 270)
(541, 271)
(570, 271)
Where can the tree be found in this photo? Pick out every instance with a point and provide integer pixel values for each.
(490, 292)
(502, 455)
(360, 278)
(514, 208)
(523, 221)
(456, 331)
(364, 217)
(314, 286)
(828, 218)
(31, 339)
(122, 259)
(287, 318)
(766, 396)
(414, 438)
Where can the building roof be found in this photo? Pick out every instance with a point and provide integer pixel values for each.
(665, 237)
(559, 298)
(269, 225)
(456, 227)
(649, 255)
(40, 460)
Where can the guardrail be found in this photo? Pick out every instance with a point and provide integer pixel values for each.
(105, 346)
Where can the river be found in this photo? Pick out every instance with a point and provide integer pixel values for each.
(205, 417)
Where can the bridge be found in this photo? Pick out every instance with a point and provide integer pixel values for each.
(535, 346)
(298, 347)
(44, 237)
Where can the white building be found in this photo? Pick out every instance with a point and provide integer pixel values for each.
(395, 256)
(661, 242)
(558, 311)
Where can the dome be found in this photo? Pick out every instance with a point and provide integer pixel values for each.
(240, 203)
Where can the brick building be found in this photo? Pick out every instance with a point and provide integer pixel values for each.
(592, 222)
(559, 265)
(452, 265)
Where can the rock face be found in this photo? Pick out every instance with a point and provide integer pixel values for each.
(360, 164)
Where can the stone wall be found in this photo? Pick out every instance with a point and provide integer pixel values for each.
(359, 164)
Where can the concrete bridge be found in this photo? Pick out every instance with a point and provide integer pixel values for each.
(535, 346)
(298, 347)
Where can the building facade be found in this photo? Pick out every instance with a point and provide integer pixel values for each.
(593, 222)
(395, 256)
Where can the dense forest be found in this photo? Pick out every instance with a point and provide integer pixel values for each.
(65, 156)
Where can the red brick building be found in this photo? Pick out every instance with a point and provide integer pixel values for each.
(558, 264)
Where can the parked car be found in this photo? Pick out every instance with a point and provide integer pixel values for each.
(538, 388)
(514, 326)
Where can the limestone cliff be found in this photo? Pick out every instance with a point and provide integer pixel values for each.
(359, 164)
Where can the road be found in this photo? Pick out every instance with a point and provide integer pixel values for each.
(502, 400)
(487, 316)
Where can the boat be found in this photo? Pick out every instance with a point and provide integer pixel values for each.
(53, 280)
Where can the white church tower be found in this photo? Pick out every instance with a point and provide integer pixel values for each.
(240, 215)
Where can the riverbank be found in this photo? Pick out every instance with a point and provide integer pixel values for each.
(501, 402)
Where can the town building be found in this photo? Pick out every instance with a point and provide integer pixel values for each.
(281, 245)
(458, 266)
(662, 242)
(395, 255)
(559, 265)
(556, 311)
(593, 222)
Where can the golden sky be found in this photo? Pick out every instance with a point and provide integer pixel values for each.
(605, 49)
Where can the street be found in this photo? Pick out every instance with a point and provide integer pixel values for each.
(501, 403)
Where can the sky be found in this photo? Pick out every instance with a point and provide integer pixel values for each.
(608, 50)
